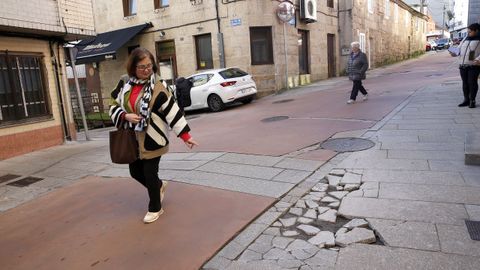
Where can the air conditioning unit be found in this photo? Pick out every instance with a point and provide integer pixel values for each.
(308, 10)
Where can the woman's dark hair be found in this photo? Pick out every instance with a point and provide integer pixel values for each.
(137, 55)
(474, 27)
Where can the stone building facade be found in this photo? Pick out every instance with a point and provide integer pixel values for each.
(179, 26)
(35, 112)
(388, 30)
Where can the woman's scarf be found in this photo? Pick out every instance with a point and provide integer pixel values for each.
(147, 96)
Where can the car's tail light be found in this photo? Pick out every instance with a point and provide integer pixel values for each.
(225, 84)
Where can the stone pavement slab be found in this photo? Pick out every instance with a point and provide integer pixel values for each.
(473, 212)
(257, 160)
(98, 223)
(386, 258)
(430, 193)
(413, 177)
(403, 210)
(456, 239)
(241, 170)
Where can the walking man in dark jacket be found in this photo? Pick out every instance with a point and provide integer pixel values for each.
(356, 69)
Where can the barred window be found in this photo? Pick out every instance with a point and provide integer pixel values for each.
(22, 87)
(261, 48)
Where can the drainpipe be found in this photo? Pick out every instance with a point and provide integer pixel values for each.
(55, 60)
(221, 49)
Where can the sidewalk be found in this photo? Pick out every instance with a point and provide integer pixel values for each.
(415, 194)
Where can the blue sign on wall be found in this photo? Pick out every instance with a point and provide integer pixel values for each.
(235, 22)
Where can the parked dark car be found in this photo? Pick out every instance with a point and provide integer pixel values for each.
(443, 43)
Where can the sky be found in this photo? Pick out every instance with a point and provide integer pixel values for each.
(435, 7)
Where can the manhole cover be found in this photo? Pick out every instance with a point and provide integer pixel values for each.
(347, 144)
(25, 181)
(473, 229)
(283, 101)
(274, 118)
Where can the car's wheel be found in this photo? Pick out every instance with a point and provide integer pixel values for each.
(247, 100)
(215, 103)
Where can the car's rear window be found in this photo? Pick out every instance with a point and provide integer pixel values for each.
(201, 79)
(232, 73)
(443, 40)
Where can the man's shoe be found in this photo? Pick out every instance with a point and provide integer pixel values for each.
(350, 101)
(152, 216)
(464, 104)
(365, 97)
(472, 104)
(162, 190)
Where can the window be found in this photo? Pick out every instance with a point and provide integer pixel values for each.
(370, 5)
(160, 3)
(232, 73)
(129, 8)
(387, 9)
(203, 46)
(330, 3)
(361, 38)
(22, 87)
(201, 79)
(261, 49)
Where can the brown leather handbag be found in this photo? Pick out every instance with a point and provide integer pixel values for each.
(123, 146)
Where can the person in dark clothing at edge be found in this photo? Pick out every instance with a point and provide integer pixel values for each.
(469, 60)
(356, 70)
(145, 105)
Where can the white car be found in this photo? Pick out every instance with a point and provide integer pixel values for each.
(215, 88)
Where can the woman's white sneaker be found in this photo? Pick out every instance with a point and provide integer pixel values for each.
(350, 101)
(365, 97)
(152, 216)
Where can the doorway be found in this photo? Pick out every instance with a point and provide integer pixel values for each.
(167, 61)
(332, 65)
(303, 62)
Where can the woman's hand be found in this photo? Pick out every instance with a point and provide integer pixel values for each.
(476, 62)
(133, 118)
(190, 143)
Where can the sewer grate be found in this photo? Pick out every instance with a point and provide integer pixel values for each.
(8, 177)
(283, 101)
(275, 118)
(347, 144)
(473, 229)
(25, 181)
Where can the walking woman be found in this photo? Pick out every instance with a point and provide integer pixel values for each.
(145, 105)
(469, 58)
(356, 70)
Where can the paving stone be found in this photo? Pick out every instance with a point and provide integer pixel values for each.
(264, 239)
(300, 204)
(231, 250)
(357, 222)
(370, 193)
(413, 177)
(311, 213)
(406, 234)
(325, 238)
(276, 254)
(338, 194)
(176, 156)
(311, 204)
(254, 265)
(250, 233)
(290, 233)
(341, 231)
(322, 209)
(432, 193)
(305, 220)
(299, 244)
(333, 180)
(337, 172)
(260, 248)
(339, 188)
(250, 255)
(329, 216)
(257, 160)
(281, 242)
(204, 156)
(308, 230)
(306, 267)
(272, 231)
(299, 164)
(240, 170)
(357, 235)
(383, 257)
(291, 176)
(277, 224)
(296, 211)
(351, 187)
(180, 165)
(334, 205)
(324, 259)
(473, 212)
(356, 193)
(370, 185)
(320, 187)
(445, 213)
(351, 178)
(217, 263)
(387, 164)
(303, 254)
(317, 195)
(287, 222)
(290, 263)
(328, 199)
(268, 217)
(456, 239)
(282, 206)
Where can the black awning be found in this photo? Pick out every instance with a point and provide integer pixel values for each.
(105, 45)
